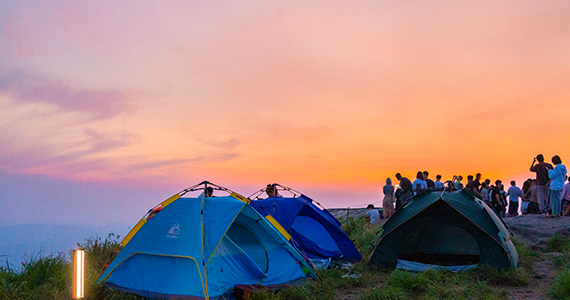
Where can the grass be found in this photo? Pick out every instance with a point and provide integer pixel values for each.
(376, 283)
(49, 277)
(561, 287)
(99, 253)
(41, 277)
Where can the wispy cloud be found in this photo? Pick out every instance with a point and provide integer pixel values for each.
(24, 87)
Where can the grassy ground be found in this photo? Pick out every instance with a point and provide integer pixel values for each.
(49, 277)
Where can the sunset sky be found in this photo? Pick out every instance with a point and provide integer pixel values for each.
(109, 107)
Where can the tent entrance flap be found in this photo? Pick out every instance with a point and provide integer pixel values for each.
(437, 244)
(250, 244)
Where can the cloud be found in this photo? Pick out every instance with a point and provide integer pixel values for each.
(24, 87)
(163, 163)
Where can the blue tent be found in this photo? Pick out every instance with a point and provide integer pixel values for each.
(200, 248)
(315, 232)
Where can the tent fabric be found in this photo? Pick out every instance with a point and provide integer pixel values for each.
(418, 267)
(316, 232)
(200, 248)
(449, 229)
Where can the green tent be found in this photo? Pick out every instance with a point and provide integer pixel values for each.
(452, 230)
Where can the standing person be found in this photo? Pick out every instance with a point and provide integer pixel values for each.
(372, 214)
(419, 184)
(557, 178)
(533, 199)
(398, 196)
(438, 185)
(542, 179)
(514, 193)
(430, 184)
(405, 183)
(458, 184)
(469, 182)
(485, 193)
(497, 199)
(271, 191)
(565, 198)
(476, 185)
(388, 202)
(473, 184)
(525, 196)
(407, 190)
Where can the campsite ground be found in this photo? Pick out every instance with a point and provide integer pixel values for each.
(534, 231)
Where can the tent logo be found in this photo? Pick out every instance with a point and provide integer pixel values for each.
(174, 232)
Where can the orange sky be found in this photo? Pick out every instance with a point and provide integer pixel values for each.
(318, 96)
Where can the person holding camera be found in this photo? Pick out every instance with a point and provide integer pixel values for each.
(542, 182)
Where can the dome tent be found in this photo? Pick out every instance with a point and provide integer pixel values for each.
(200, 248)
(315, 231)
(452, 230)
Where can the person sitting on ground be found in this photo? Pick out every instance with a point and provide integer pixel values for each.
(514, 193)
(372, 214)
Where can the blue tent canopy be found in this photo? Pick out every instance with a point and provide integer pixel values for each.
(200, 248)
(316, 232)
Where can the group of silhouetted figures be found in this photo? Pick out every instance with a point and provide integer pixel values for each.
(548, 194)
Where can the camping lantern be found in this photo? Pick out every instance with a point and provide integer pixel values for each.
(78, 287)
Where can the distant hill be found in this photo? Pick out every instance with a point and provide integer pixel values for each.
(20, 242)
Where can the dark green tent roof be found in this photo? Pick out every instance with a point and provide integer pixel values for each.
(445, 228)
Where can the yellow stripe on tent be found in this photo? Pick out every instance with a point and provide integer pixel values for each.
(278, 226)
(239, 197)
(143, 220)
(169, 200)
(133, 231)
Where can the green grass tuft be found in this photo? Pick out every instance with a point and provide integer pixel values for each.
(561, 287)
(558, 243)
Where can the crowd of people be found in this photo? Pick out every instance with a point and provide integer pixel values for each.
(548, 194)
